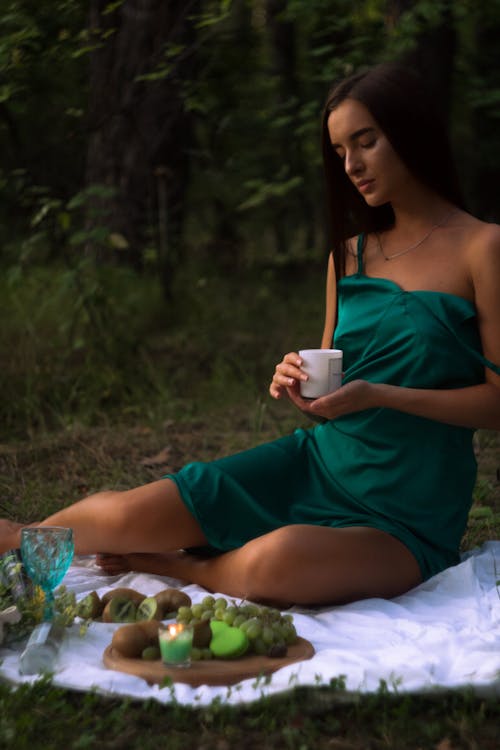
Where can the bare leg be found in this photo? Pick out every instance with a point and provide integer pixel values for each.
(298, 564)
(152, 518)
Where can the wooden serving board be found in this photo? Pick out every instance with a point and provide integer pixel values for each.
(210, 672)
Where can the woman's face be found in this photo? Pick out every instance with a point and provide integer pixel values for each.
(370, 161)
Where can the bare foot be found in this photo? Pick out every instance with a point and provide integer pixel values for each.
(113, 565)
(141, 562)
(10, 535)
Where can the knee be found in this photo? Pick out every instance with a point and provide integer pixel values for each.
(267, 568)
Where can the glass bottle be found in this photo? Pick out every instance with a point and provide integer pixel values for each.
(42, 649)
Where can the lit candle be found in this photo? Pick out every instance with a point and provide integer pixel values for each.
(176, 641)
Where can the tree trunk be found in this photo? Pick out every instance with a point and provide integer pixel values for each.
(139, 129)
(282, 34)
(434, 54)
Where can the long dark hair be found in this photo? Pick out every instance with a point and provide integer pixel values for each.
(409, 118)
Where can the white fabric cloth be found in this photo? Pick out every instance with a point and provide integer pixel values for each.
(443, 634)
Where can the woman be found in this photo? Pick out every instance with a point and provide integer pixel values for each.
(375, 498)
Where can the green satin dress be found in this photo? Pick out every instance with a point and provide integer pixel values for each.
(409, 476)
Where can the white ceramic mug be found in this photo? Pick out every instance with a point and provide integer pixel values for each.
(324, 368)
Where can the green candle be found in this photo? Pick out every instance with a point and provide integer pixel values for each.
(176, 641)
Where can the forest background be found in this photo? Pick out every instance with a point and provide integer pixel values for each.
(163, 241)
(161, 194)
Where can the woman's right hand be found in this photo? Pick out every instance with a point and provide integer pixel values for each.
(287, 374)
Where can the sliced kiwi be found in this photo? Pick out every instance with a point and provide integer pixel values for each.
(147, 609)
(119, 609)
(123, 592)
(90, 606)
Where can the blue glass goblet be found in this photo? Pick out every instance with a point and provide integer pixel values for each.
(47, 552)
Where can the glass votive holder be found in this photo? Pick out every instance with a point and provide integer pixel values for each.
(176, 642)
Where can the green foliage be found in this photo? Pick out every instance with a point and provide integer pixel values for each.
(84, 342)
(70, 342)
(77, 325)
(42, 92)
(254, 97)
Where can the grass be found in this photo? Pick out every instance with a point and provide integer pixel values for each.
(195, 388)
(50, 718)
(39, 475)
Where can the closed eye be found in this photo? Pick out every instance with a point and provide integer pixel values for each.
(355, 139)
(341, 153)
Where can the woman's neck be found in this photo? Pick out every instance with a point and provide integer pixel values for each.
(417, 212)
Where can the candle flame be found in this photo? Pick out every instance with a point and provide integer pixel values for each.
(175, 629)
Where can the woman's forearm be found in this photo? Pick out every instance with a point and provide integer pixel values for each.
(476, 406)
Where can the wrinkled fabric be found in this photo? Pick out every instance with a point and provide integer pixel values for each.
(406, 475)
(444, 634)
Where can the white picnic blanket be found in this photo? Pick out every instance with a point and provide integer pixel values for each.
(443, 634)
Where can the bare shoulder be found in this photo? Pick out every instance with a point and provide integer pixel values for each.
(483, 260)
(483, 248)
(479, 242)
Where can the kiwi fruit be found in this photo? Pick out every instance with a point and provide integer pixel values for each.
(202, 634)
(169, 601)
(130, 641)
(124, 592)
(148, 609)
(150, 630)
(91, 606)
(119, 609)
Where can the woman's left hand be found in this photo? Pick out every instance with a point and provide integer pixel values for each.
(352, 397)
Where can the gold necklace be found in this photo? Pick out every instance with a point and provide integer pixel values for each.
(420, 242)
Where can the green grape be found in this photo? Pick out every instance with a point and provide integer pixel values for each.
(207, 654)
(290, 634)
(220, 603)
(279, 630)
(207, 614)
(273, 614)
(244, 625)
(196, 654)
(238, 620)
(259, 647)
(197, 610)
(288, 618)
(251, 610)
(185, 613)
(267, 635)
(208, 602)
(230, 614)
(219, 614)
(254, 629)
